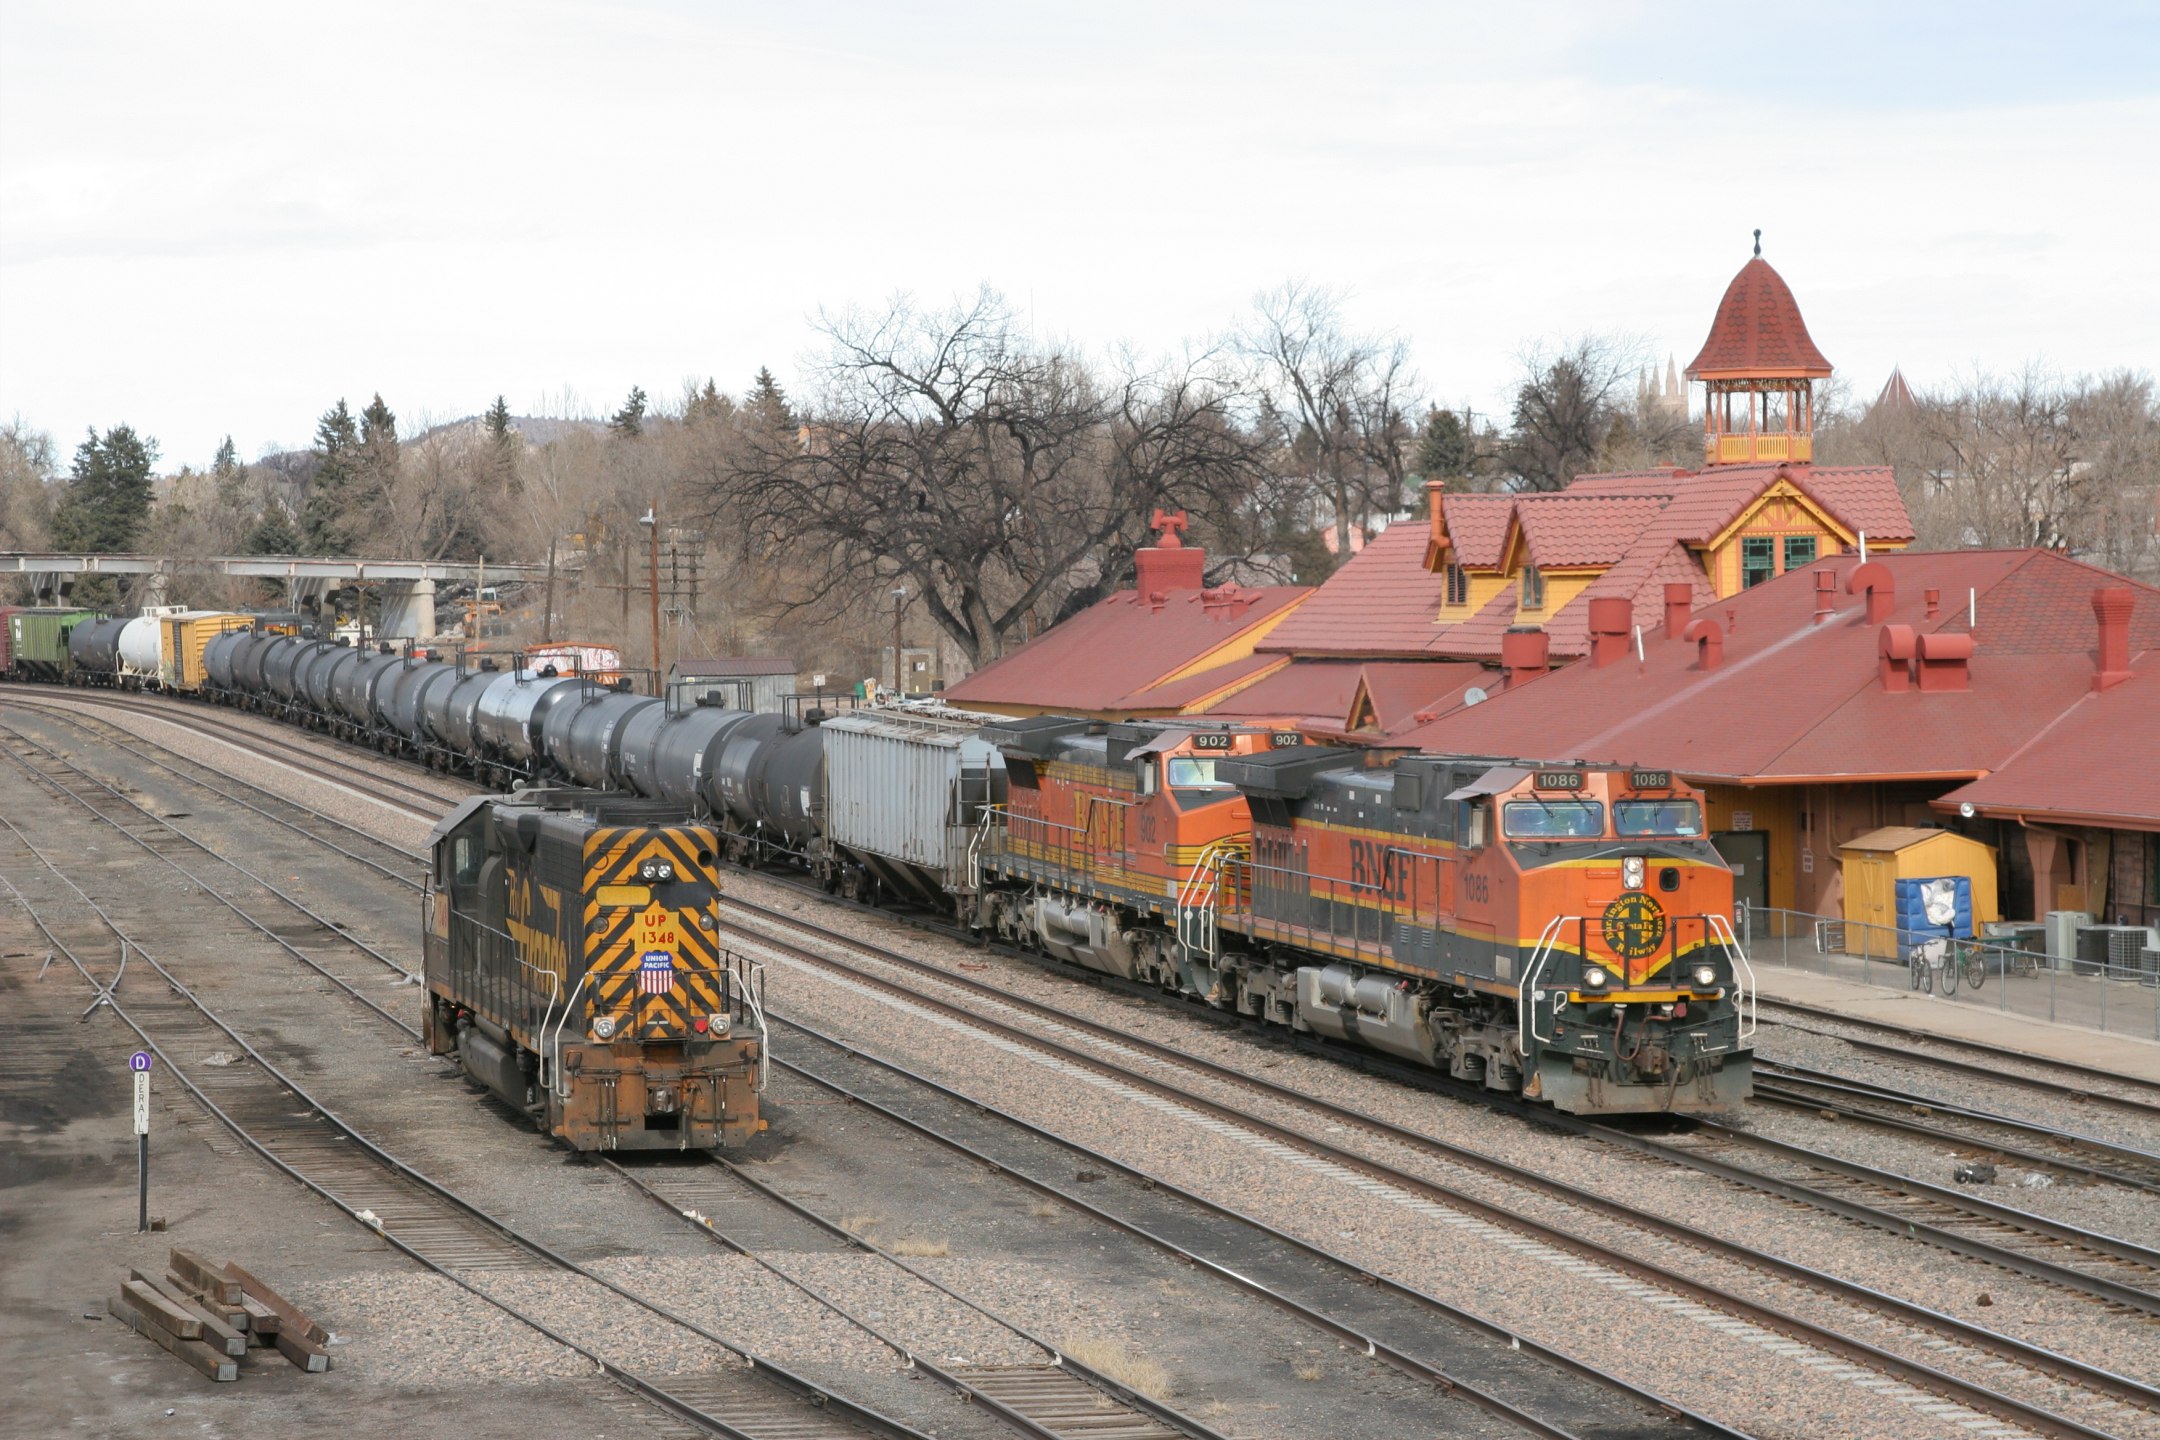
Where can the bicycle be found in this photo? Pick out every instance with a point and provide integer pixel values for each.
(1945, 960)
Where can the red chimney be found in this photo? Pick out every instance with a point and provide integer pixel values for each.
(1934, 601)
(1610, 616)
(1897, 648)
(1874, 578)
(1825, 594)
(1679, 604)
(1945, 661)
(1709, 643)
(1168, 565)
(1524, 653)
(2111, 607)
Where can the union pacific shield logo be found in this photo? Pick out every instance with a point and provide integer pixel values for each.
(1634, 926)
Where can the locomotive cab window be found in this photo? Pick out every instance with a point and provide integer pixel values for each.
(1553, 819)
(1190, 772)
(1657, 817)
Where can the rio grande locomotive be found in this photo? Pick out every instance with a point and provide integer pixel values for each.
(573, 970)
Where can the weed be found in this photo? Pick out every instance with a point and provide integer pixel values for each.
(1118, 1361)
(920, 1249)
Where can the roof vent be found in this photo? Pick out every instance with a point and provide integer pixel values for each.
(2111, 607)
(1610, 616)
(1679, 604)
(1874, 578)
(1946, 661)
(1897, 646)
(1933, 597)
(1525, 653)
(1709, 638)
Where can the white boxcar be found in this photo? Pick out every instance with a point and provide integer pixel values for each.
(905, 789)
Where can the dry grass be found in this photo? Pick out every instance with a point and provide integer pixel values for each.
(1215, 1408)
(920, 1249)
(861, 1224)
(1310, 1372)
(1117, 1360)
(1046, 1210)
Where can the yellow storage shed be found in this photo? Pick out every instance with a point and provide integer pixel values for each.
(1876, 861)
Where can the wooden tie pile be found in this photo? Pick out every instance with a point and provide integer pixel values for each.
(209, 1315)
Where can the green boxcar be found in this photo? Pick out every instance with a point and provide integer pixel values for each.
(38, 641)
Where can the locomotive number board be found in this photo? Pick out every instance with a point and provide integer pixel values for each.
(1285, 739)
(1649, 779)
(1557, 780)
(1211, 742)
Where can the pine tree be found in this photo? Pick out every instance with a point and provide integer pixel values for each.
(500, 465)
(337, 453)
(228, 459)
(498, 421)
(768, 403)
(231, 476)
(378, 444)
(273, 533)
(1444, 446)
(708, 404)
(107, 504)
(630, 420)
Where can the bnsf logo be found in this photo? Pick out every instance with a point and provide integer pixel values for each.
(1380, 867)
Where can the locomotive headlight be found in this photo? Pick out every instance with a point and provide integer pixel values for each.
(1596, 977)
(1631, 872)
(717, 1026)
(603, 1026)
(1705, 976)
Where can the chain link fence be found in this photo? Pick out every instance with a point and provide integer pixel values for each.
(2117, 999)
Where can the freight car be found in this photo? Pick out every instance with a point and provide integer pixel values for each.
(36, 642)
(572, 968)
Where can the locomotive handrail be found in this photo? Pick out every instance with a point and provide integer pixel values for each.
(553, 1045)
(1525, 1005)
(1743, 995)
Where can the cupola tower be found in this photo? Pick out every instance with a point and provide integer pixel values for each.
(1759, 370)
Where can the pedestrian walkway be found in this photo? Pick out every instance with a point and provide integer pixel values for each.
(1960, 1019)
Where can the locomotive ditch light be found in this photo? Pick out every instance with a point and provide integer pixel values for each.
(1631, 872)
(603, 1027)
(1596, 978)
(718, 1025)
(1705, 976)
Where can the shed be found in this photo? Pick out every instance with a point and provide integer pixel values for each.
(740, 682)
(1876, 861)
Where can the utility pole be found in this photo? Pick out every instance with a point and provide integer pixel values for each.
(547, 619)
(899, 599)
(652, 522)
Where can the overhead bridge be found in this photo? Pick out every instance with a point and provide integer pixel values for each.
(408, 585)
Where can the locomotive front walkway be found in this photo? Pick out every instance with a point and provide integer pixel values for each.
(1962, 1019)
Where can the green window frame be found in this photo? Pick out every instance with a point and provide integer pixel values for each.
(1758, 560)
(1799, 551)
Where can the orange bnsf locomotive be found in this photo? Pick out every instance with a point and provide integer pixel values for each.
(1561, 930)
(573, 969)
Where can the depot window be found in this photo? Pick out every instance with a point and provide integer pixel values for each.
(1458, 584)
(1533, 588)
(1657, 817)
(1553, 819)
(1799, 551)
(1758, 560)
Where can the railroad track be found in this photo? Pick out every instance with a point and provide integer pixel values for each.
(320, 761)
(1054, 1397)
(166, 842)
(741, 1394)
(2042, 1147)
(1047, 1028)
(393, 862)
(1982, 1062)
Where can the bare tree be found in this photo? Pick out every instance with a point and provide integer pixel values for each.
(985, 471)
(27, 467)
(1339, 404)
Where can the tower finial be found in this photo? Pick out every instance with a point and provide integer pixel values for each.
(1758, 244)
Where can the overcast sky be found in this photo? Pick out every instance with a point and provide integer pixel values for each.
(222, 217)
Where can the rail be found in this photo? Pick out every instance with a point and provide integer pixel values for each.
(2101, 995)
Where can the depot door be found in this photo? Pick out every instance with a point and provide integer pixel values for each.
(1748, 852)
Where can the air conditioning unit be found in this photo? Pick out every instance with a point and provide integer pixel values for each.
(2120, 947)
(2062, 933)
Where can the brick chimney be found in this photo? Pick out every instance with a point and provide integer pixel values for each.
(2111, 607)
(1874, 578)
(1709, 638)
(1897, 646)
(1679, 604)
(1525, 652)
(1610, 616)
(1945, 661)
(1168, 564)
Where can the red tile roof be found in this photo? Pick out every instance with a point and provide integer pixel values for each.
(2076, 769)
(1793, 700)
(1096, 659)
(1317, 695)
(1381, 602)
(1563, 530)
(1758, 331)
(1477, 527)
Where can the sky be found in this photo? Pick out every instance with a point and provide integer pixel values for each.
(220, 218)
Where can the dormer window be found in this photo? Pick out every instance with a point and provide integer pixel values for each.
(1758, 560)
(1533, 588)
(1458, 584)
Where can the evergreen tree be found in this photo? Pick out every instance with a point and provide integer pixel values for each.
(107, 503)
(273, 533)
(500, 466)
(378, 442)
(323, 519)
(231, 476)
(1443, 446)
(498, 421)
(768, 403)
(708, 404)
(630, 420)
(228, 459)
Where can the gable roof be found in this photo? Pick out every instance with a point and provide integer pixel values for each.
(2075, 770)
(1758, 332)
(1794, 700)
(1320, 695)
(1564, 530)
(1095, 660)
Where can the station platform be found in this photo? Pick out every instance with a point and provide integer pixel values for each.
(1961, 1019)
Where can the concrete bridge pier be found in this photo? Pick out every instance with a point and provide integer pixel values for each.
(408, 610)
